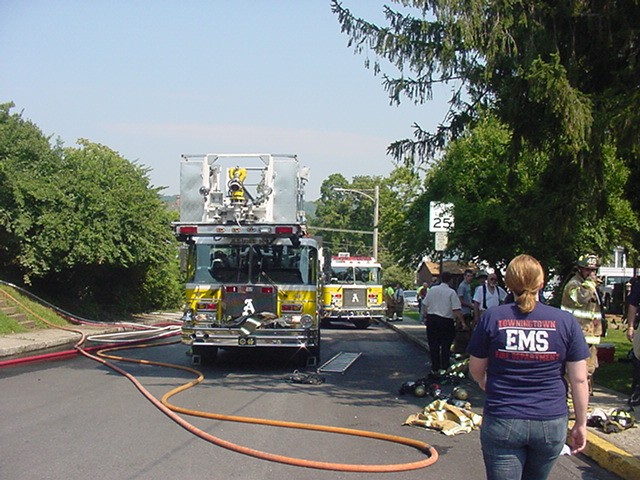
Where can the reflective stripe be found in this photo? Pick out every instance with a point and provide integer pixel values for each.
(582, 314)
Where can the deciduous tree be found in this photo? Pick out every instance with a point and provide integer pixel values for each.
(562, 77)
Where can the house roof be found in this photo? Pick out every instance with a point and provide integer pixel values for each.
(452, 266)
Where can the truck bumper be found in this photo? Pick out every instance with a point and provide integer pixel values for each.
(233, 337)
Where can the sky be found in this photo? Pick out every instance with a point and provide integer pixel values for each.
(156, 79)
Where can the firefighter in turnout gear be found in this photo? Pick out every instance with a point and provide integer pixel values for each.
(580, 297)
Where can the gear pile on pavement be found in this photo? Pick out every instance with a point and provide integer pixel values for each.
(306, 378)
(447, 418)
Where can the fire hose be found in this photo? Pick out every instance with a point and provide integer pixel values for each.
(170, 410)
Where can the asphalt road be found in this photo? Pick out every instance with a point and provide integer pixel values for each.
(76, 419)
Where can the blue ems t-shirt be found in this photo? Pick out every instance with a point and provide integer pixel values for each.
(527, 355)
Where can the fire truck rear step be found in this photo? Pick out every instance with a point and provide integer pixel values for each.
(339, 363)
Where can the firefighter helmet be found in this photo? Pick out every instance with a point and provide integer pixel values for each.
(588, 260)
(622, 417)
(420, 390)
(460, 393)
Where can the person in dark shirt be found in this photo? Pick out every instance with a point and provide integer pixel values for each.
(634, 336)
(519, 354)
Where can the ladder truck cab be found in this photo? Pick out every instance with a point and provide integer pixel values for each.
(352, 290)
(252, 273)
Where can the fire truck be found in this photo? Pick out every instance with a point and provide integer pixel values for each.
(352, 290)
(252, 272)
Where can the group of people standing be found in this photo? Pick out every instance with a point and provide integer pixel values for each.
(441, 304)
(522, 353)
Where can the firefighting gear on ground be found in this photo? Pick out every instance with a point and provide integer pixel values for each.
(450, 411)
(449, 419)
(611, 421)
(430, 385)
(305, 378)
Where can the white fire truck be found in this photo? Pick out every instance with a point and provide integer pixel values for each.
(252, 272)
(352, 290)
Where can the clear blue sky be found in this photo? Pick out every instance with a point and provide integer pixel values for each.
(155, 79)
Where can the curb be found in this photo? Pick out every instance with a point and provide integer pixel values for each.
(612, 458)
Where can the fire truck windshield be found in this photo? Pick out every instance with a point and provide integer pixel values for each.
(359, 275)
(261, 264)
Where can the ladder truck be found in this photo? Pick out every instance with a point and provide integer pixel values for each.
(252, 271)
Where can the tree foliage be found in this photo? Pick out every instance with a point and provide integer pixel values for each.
(353, 211)
(503, 210)
(83, 221)
(562, 77)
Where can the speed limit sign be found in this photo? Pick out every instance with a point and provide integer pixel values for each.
(440, 217)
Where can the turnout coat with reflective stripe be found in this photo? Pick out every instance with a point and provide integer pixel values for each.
(580, 298)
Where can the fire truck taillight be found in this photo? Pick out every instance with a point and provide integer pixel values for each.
(188, 230)
(267, 290)
(284, 230)
(229, 289)
(206, 306)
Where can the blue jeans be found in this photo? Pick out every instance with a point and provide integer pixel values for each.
(521, 449)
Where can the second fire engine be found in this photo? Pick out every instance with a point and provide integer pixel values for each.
(352, 290)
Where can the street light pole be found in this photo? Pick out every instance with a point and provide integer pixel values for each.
(376, 206)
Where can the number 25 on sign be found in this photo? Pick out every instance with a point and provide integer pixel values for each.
(440, 217)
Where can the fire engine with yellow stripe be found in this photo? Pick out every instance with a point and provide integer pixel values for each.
(352, 290)
(251, 270)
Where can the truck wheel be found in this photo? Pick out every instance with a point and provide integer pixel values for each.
(362, 324)
(201, 354)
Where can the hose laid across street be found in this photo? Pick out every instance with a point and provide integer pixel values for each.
(172, 411)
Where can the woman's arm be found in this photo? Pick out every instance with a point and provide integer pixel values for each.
(577, 372)
(478, 370)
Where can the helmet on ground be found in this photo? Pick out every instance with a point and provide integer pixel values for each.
(623, 417)
(420, 390)
(460, 393)
(588, 260)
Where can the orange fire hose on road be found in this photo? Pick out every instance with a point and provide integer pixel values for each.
(172, 412)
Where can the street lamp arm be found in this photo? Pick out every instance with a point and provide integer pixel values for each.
(355, 191)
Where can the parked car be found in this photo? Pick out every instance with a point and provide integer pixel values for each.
(411, 300)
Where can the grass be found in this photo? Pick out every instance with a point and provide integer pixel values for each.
(616, 375)
(33, 311)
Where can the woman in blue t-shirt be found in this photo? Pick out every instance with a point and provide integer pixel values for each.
(520, 353)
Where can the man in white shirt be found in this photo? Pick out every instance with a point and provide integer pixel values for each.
(487, 296)
(441, 309)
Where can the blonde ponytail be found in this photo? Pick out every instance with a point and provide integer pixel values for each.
(524, 277)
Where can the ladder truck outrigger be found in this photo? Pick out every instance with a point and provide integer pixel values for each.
(252, 271)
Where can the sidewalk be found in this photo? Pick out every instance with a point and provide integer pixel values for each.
(617, 452)
(36, 342)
